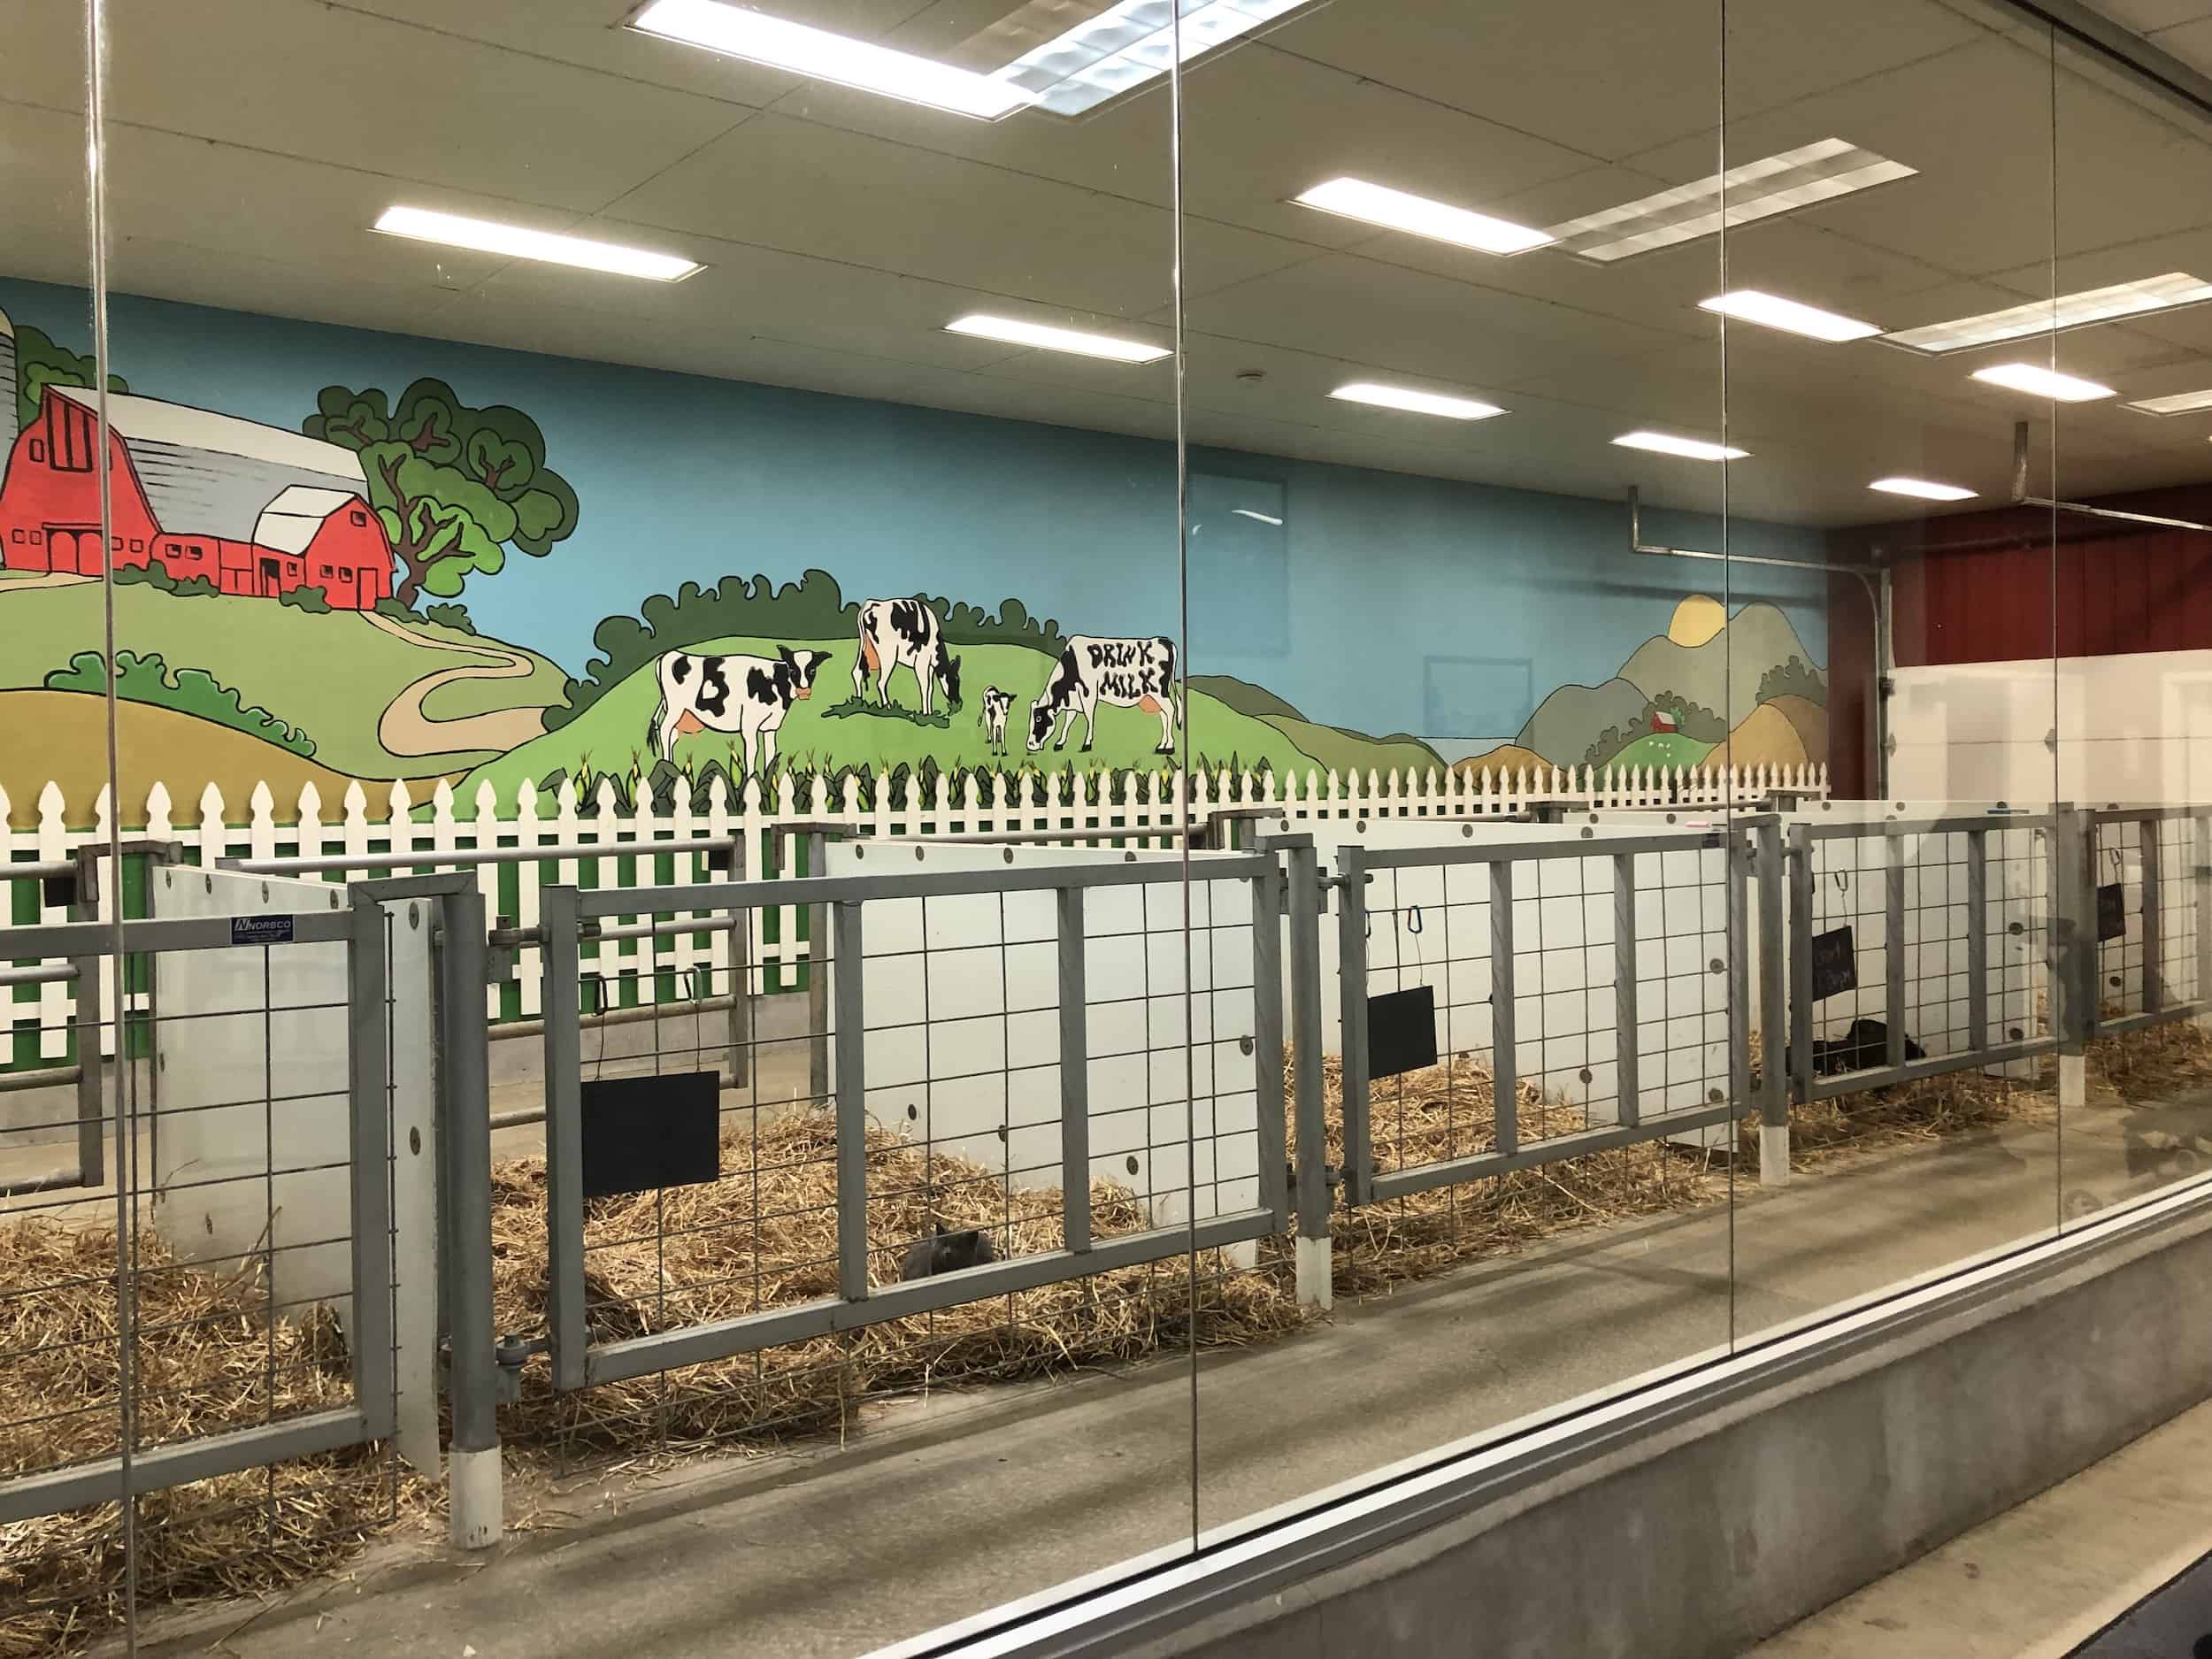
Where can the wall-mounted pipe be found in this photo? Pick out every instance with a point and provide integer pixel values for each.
(2021, 498)
(1876, 583)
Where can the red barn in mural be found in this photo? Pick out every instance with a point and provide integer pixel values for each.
(255, 510)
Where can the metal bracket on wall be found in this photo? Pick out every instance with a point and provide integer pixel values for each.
(2021, 498)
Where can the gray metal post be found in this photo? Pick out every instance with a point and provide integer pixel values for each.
(1505, 1082)
(1301, 865)
(1627, 1016)
(91, 1108)
(852, 1107)
(740, 1015)
(1894, 947)
(1978, 940)
(1351, 965)
(375, 1369)
(2073, 948)
(1267, 1044)
(1774, 1094)
(822, 955)
(474, 1499)
(564, 1136)
(1316, 1276)
(2148, 846)
(1075, 1075)
(2203, 825)
(1800, 1058)
(1737, 970)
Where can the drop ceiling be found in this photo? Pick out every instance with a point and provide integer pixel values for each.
(249, 144)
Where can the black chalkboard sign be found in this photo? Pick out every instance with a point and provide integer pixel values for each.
(642, 1134)
(1835, 962)
(1401, 1031)
(2112, 912)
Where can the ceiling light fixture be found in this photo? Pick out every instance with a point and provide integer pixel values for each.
(484, 235)
(1690, 448)
(1921, 487)
(1771, 310)
(1758, 190)
(1249, 512)
(1013, 332)
(1127, 44)
(1395, 210)
(2069, 311)
(2179, 403)
(2025, 377)
(1415, 403)
(819, 54)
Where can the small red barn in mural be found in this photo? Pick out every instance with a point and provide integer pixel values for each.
(254, 509)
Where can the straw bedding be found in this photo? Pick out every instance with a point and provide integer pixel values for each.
(210, 1361)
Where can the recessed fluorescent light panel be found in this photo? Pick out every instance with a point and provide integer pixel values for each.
(2025, 377)
(1415, 403)
(484, 235)
(1771, 310)
(1690, 448)
(1121, 47)
(1921, 488)
(1379, 204)
(1758, 190)
(2179, 403)
(1015, 332)
(2069, 311)
(819, 54)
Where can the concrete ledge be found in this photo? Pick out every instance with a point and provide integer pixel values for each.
(1716, 1508)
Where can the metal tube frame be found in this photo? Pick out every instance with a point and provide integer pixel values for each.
(567, 915)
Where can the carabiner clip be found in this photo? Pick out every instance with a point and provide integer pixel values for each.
(1413, 918)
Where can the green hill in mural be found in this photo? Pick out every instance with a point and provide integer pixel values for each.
(1332, 748)
(1724, 672)
(1567, 722)
(828, 732)
(383, 697)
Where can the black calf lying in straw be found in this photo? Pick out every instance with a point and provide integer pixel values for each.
(947, 1253)
(1862, 1048)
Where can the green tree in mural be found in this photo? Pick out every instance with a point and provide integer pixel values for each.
(41, 363)
(456, 485)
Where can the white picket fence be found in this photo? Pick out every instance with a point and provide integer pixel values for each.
(670, 968)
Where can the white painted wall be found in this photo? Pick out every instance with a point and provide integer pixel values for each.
(2135, 728)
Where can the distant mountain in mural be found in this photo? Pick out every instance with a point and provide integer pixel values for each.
(1671, 703)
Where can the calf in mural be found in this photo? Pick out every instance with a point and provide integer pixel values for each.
(897, 634)
(996, 706)
(1123, 673)
(749, 695)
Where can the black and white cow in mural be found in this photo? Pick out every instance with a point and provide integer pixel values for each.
(996, 706)
(1122, 673)
(904, 634)
(749, 695)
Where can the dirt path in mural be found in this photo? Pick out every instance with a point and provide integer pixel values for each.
(406, 730)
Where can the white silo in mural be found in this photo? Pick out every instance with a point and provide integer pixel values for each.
(7, 378)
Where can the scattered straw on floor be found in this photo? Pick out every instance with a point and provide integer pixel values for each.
(208, 1361)
(657, 1262)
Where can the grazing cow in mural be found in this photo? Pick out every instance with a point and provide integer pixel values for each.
(1123, 673)
(996, 706)
(904, 634)
(746, 694)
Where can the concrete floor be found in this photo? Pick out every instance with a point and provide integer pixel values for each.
(2041, 1580)
(947, 1505)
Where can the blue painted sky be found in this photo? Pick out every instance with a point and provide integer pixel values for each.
(1345, 610)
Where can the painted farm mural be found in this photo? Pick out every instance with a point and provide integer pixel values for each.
(397, 584)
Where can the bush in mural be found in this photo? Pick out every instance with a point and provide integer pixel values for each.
(192, 691)
(812, 607)
(1794, 679)
(40, 362)
(455, 485)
